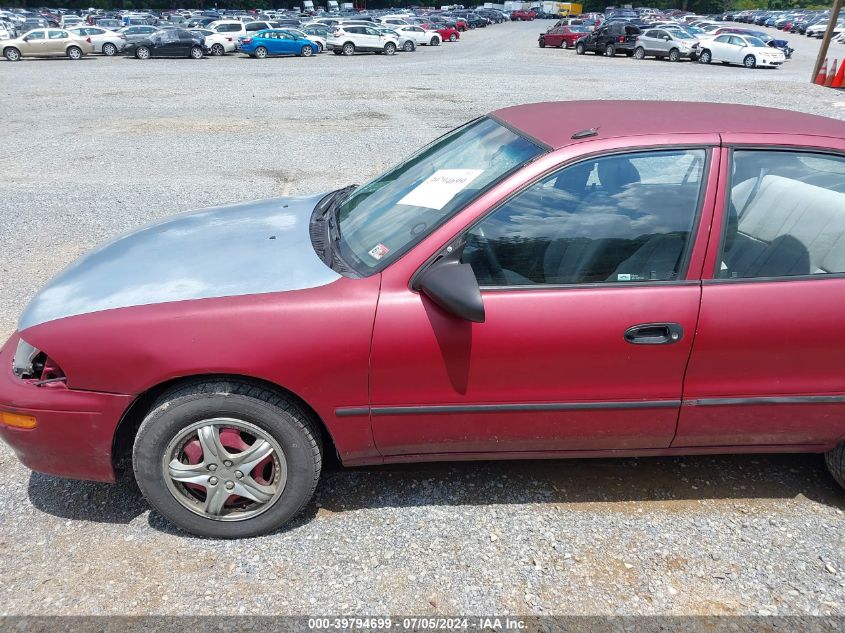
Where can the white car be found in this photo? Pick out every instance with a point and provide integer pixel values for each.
(420, 36)
(218, 43)
(104, 41)
(233, 28)
(71, 21)
(348, 40)
(749, 51)
(319, 41)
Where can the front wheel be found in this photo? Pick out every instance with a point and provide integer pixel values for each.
(542, 43)
(610, 50)
(389, 48)
(580, 49)
(705, 58)
(639, 53)
(306, 51)
(109, 49)
(260, 52)
(750, 61)
(74, 52)
(674, 55)
(435, 41)
(196, 52)
(142, 52)
(408, 47)
(227, 459)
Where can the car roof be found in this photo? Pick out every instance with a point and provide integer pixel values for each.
(553, 123)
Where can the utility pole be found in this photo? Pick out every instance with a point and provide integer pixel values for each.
(828, 35)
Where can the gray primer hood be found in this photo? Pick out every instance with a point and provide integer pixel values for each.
(250, 248)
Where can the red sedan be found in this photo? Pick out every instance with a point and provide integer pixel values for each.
(447, 33)
(552, 280)
(562, 36)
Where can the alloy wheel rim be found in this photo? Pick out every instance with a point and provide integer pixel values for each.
(225, 469)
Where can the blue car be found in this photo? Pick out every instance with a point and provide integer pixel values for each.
(276, 42)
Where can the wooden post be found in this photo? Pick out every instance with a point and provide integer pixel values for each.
(828, 35)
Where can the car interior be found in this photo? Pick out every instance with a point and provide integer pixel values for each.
(596, 221)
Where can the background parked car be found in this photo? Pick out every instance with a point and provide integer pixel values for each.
(663, 44)
(216, 43)
(562, 36)
(740, 49)
(104, 41)
(46, 43)
(137, 33)
(168, 43)
(609, 39)
(273, 42)
(421, 36)
(348, 40)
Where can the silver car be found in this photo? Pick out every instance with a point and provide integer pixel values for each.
(663, 43)
(138, 32)
(106, 42)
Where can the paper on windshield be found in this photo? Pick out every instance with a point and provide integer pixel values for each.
(437, 190)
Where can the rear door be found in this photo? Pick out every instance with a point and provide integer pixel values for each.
(767, 365)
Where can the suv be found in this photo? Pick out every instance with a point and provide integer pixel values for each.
(610, 39)
(350, 39)
(662, 43)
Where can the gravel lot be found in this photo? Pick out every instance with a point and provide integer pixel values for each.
(96, 147)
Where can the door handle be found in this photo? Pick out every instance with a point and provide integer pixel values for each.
(654, 334)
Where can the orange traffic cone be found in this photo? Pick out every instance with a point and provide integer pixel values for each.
(839, 79)
(822, 76)
(828, 81)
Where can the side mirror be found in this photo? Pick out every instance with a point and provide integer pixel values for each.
(453, 286)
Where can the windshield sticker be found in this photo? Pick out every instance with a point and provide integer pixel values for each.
(378, 251)
(437, 190)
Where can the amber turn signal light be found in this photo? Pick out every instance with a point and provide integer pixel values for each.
(18, 420)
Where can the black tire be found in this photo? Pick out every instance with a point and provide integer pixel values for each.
(453, 38)
(337, 52)
(348, 49)
(12, 54)
(542, 42)
(74, 52)
(389, 48)
(435, 41)
(319, 47)
(705, 58)
(408, 47)
(292, 429)
(639, 53)
(260, 52)
(142, 52)
(610, 50)
(306, 51)
(750, 61)
(835, 460)
(217, 50)
(674, 55)
(109, 49)
(580, 49)
(196, 52)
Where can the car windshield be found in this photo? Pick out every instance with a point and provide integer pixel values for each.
(381, 220)
(755, 41)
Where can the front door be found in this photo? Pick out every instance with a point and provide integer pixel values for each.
(767, 364)
(591, 310)
(35, 43)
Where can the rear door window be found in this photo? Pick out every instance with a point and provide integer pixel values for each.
(785, 216)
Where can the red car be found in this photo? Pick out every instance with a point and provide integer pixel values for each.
(570, 279)
(524, 16)
(562, 36)
(447, 33)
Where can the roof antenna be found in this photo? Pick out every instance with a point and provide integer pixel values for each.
(593, 131)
